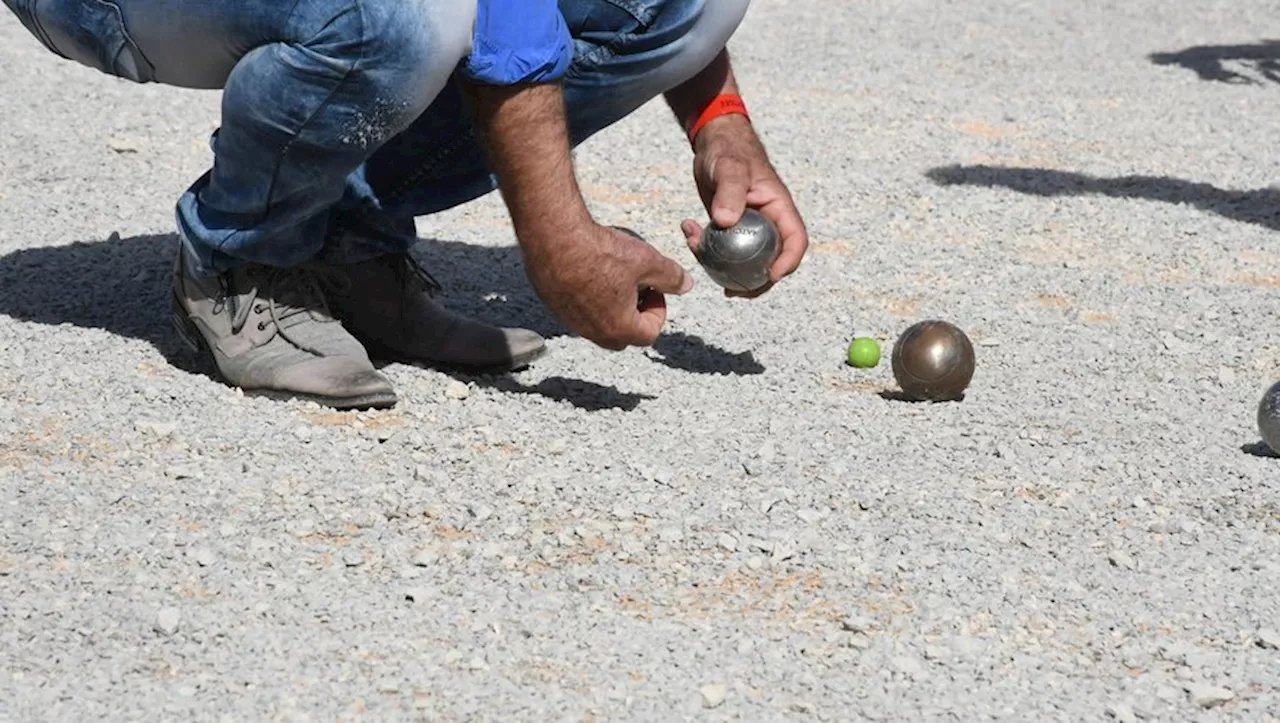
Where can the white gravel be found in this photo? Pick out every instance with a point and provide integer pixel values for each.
(733, 524)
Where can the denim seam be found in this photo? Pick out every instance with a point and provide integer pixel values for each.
(288, 20)
(610, 49)
(634, 9)
(285, 151)
(409, 180)
(131, 45)
(28, 7)
(421, 170)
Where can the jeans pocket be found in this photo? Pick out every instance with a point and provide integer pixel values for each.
(92, 33)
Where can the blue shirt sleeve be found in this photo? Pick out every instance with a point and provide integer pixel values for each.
(518, 41)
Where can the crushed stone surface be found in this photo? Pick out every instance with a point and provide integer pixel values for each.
(733, 524)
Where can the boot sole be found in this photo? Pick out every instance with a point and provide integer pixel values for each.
(194, 340)
(383, 353)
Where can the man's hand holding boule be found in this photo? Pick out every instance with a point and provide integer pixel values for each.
(592, 277)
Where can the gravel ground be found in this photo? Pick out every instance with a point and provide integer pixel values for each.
(732, 524)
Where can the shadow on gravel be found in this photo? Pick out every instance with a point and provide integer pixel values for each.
(1259, 449)
(121, 285)
(489, 283)
(1209, 61)
(584, 395)
(689, 353)
(896, 395)
(117, 285)
(1260, 206)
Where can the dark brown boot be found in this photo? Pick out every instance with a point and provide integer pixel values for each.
(389, 304)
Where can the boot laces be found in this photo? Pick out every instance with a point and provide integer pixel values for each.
(283, 293)
(411, 269)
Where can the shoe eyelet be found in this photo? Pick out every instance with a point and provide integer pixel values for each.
(262, 326)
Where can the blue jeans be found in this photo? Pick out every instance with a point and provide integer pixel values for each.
(342, 120)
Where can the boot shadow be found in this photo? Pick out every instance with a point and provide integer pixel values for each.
(116, 285)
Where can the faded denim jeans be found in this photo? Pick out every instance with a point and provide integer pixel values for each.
(342, 120)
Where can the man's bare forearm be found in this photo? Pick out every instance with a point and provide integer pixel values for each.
(525, 135)
(689, 98)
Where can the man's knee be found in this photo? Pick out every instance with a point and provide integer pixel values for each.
(400, 51)
(395, 56)
(681, 37)
(706, 25)
(692, 24)
(416, 36)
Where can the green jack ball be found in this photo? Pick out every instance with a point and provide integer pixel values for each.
(864, 353)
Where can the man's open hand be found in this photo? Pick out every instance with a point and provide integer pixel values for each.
(605, 284)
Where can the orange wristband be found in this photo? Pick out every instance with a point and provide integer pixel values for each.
(722, 104)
